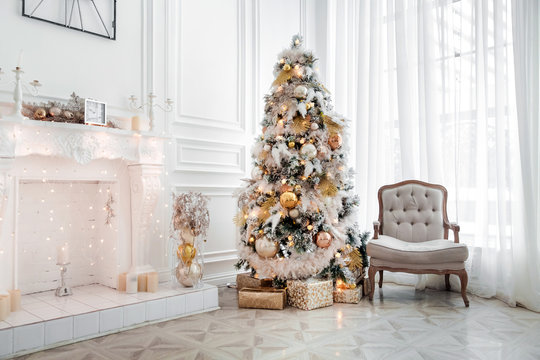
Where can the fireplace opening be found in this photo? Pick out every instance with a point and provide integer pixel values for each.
(71, 221)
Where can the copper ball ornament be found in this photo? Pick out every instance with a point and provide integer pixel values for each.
(323, 239)
(266, 248)
(288, 200)
(335, 141)
(308, 151)
(40, 113)
(285, 187)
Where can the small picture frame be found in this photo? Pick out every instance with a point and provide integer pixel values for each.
(95, 112)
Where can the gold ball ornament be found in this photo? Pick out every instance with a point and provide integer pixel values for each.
(308, 151)
(323, 239)
(288, 200)
(286, 67)
(186, 253)
(40, 113)
(188, 275)
(291, 144)
(335, 141)
(266, 248)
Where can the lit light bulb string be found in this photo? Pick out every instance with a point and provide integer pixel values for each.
(300, 155)
(63, 231)
(46, 150)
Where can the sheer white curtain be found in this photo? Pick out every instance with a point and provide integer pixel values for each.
(434, 98)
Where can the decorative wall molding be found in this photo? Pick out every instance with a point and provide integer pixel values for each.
(238, 122)
(220, 256)
(209, 156)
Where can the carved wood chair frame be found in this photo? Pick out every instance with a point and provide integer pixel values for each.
(377, 230)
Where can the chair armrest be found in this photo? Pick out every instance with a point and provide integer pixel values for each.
(376, 225)
(455, 228)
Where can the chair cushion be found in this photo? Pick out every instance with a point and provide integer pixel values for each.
(413, 212)
(427, 252)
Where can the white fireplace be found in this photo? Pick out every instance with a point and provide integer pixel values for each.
(94, 189)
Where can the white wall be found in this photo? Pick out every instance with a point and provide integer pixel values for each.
(214, 58)
(67, 61)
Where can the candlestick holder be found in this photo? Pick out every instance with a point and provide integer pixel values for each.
(18, 91)
(150, 104)
(63, 289)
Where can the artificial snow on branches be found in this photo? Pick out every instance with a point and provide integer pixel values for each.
(297, 217)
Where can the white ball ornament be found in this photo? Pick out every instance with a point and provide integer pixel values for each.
(300, 92)
(266, 248)
(294, 213)
(308, 151)
(314, 126)
(256, 173)
(188, 276)
(267, 147)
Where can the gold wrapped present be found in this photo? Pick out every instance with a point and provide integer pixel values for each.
(309, 294)
(262, 298)
(247, 281)
(347, 296)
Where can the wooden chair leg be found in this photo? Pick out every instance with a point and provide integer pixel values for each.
(380, 278)
(371, 278)
(447, 281)
(464, 278)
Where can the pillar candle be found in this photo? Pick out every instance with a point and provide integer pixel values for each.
(5, 305)
(142, 279)
(62, 256)
(136, 123)
(152, 282)
(131, 282)
(15, 296)
(121, 282)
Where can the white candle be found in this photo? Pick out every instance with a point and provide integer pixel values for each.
(131, 282)
(19, 61)
(63, 254)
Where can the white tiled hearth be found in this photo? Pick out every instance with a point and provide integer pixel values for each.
(94, 310)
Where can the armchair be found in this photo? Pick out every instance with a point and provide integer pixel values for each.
(411, 235)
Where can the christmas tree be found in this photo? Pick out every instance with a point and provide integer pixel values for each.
(296, 213)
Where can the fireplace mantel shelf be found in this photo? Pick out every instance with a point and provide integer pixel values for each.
(82, 143)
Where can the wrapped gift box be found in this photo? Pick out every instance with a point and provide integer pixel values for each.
(262, 298)
(310, 294)
(348, 296)
(366, 286)
(247, 281)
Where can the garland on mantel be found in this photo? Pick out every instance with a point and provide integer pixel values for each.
(55, 111)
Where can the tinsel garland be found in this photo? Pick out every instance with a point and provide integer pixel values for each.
(190, 210)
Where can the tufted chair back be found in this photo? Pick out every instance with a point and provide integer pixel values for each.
(413, 211)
